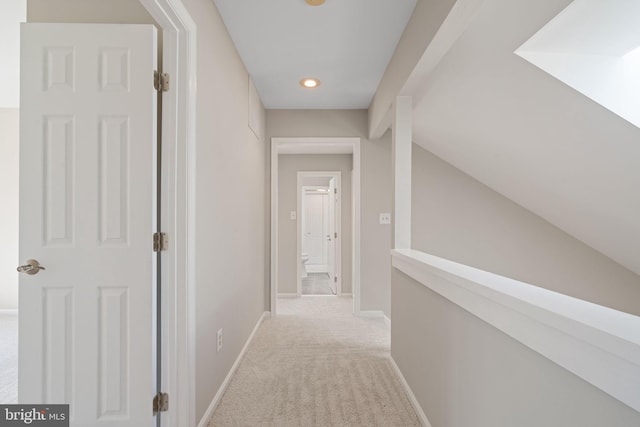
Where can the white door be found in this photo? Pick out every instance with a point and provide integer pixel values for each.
(87, 214)
(315, 231)
(332, 233)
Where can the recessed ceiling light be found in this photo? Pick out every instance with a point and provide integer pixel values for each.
(309, 82)
(314, 2)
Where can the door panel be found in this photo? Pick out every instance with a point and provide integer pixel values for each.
(87, 214)
(315, 229)
(331, 232)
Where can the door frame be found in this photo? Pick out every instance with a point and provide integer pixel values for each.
(178, 209)
(337, 218)
(326, 145)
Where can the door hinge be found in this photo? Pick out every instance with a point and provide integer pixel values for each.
(160, 242)
(160, 403)
(161, 81)
(335, 191)
(335, 235)
(335, 279)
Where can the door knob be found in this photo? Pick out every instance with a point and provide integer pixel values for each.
(31, 267)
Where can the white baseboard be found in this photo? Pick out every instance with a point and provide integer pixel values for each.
(345, 294)
(376, 314)
(371, 313)
(412, 398)
(11, 311)
(288, 295)
(216, 399)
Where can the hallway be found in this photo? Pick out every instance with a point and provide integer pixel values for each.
(315, 364)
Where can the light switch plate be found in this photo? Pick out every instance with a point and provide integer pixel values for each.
(385, 218)
(293, 216)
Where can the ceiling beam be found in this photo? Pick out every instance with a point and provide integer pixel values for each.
(449, 32)
(420, 30)
(433, 28)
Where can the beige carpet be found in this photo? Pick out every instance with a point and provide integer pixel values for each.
(8, 357)
(316, 365)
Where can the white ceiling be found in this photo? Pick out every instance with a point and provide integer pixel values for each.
(345, 43)
(530, 137)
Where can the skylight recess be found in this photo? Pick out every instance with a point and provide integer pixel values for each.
(594, 47)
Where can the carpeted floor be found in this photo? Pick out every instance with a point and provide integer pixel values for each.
(317, 365)
(317, 284)
(8, 357)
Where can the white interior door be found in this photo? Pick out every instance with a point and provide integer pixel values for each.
(315, 231)
(87, 214)
(332, 232)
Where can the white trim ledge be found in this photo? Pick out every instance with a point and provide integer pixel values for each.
(598, 344)
(206, 418)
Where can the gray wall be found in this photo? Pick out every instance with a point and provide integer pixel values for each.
(375, 189)
(464, 372)
(230, 205)
(9, 147)
(92, 11)
(230, 223)
(319, 181)
(288, 167)
(458, 218)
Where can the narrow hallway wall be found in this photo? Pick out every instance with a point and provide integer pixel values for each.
(230, 212)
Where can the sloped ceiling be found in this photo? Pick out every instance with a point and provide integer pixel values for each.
(528, 136)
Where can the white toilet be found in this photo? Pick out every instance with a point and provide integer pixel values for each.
(304, 259)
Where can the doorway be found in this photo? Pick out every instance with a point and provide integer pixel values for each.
(281, 216)
(178, 323)
(88, 203)
(319, 233)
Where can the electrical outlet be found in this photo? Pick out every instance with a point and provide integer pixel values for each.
(293, 215)
(385, 218)
(219, 339)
